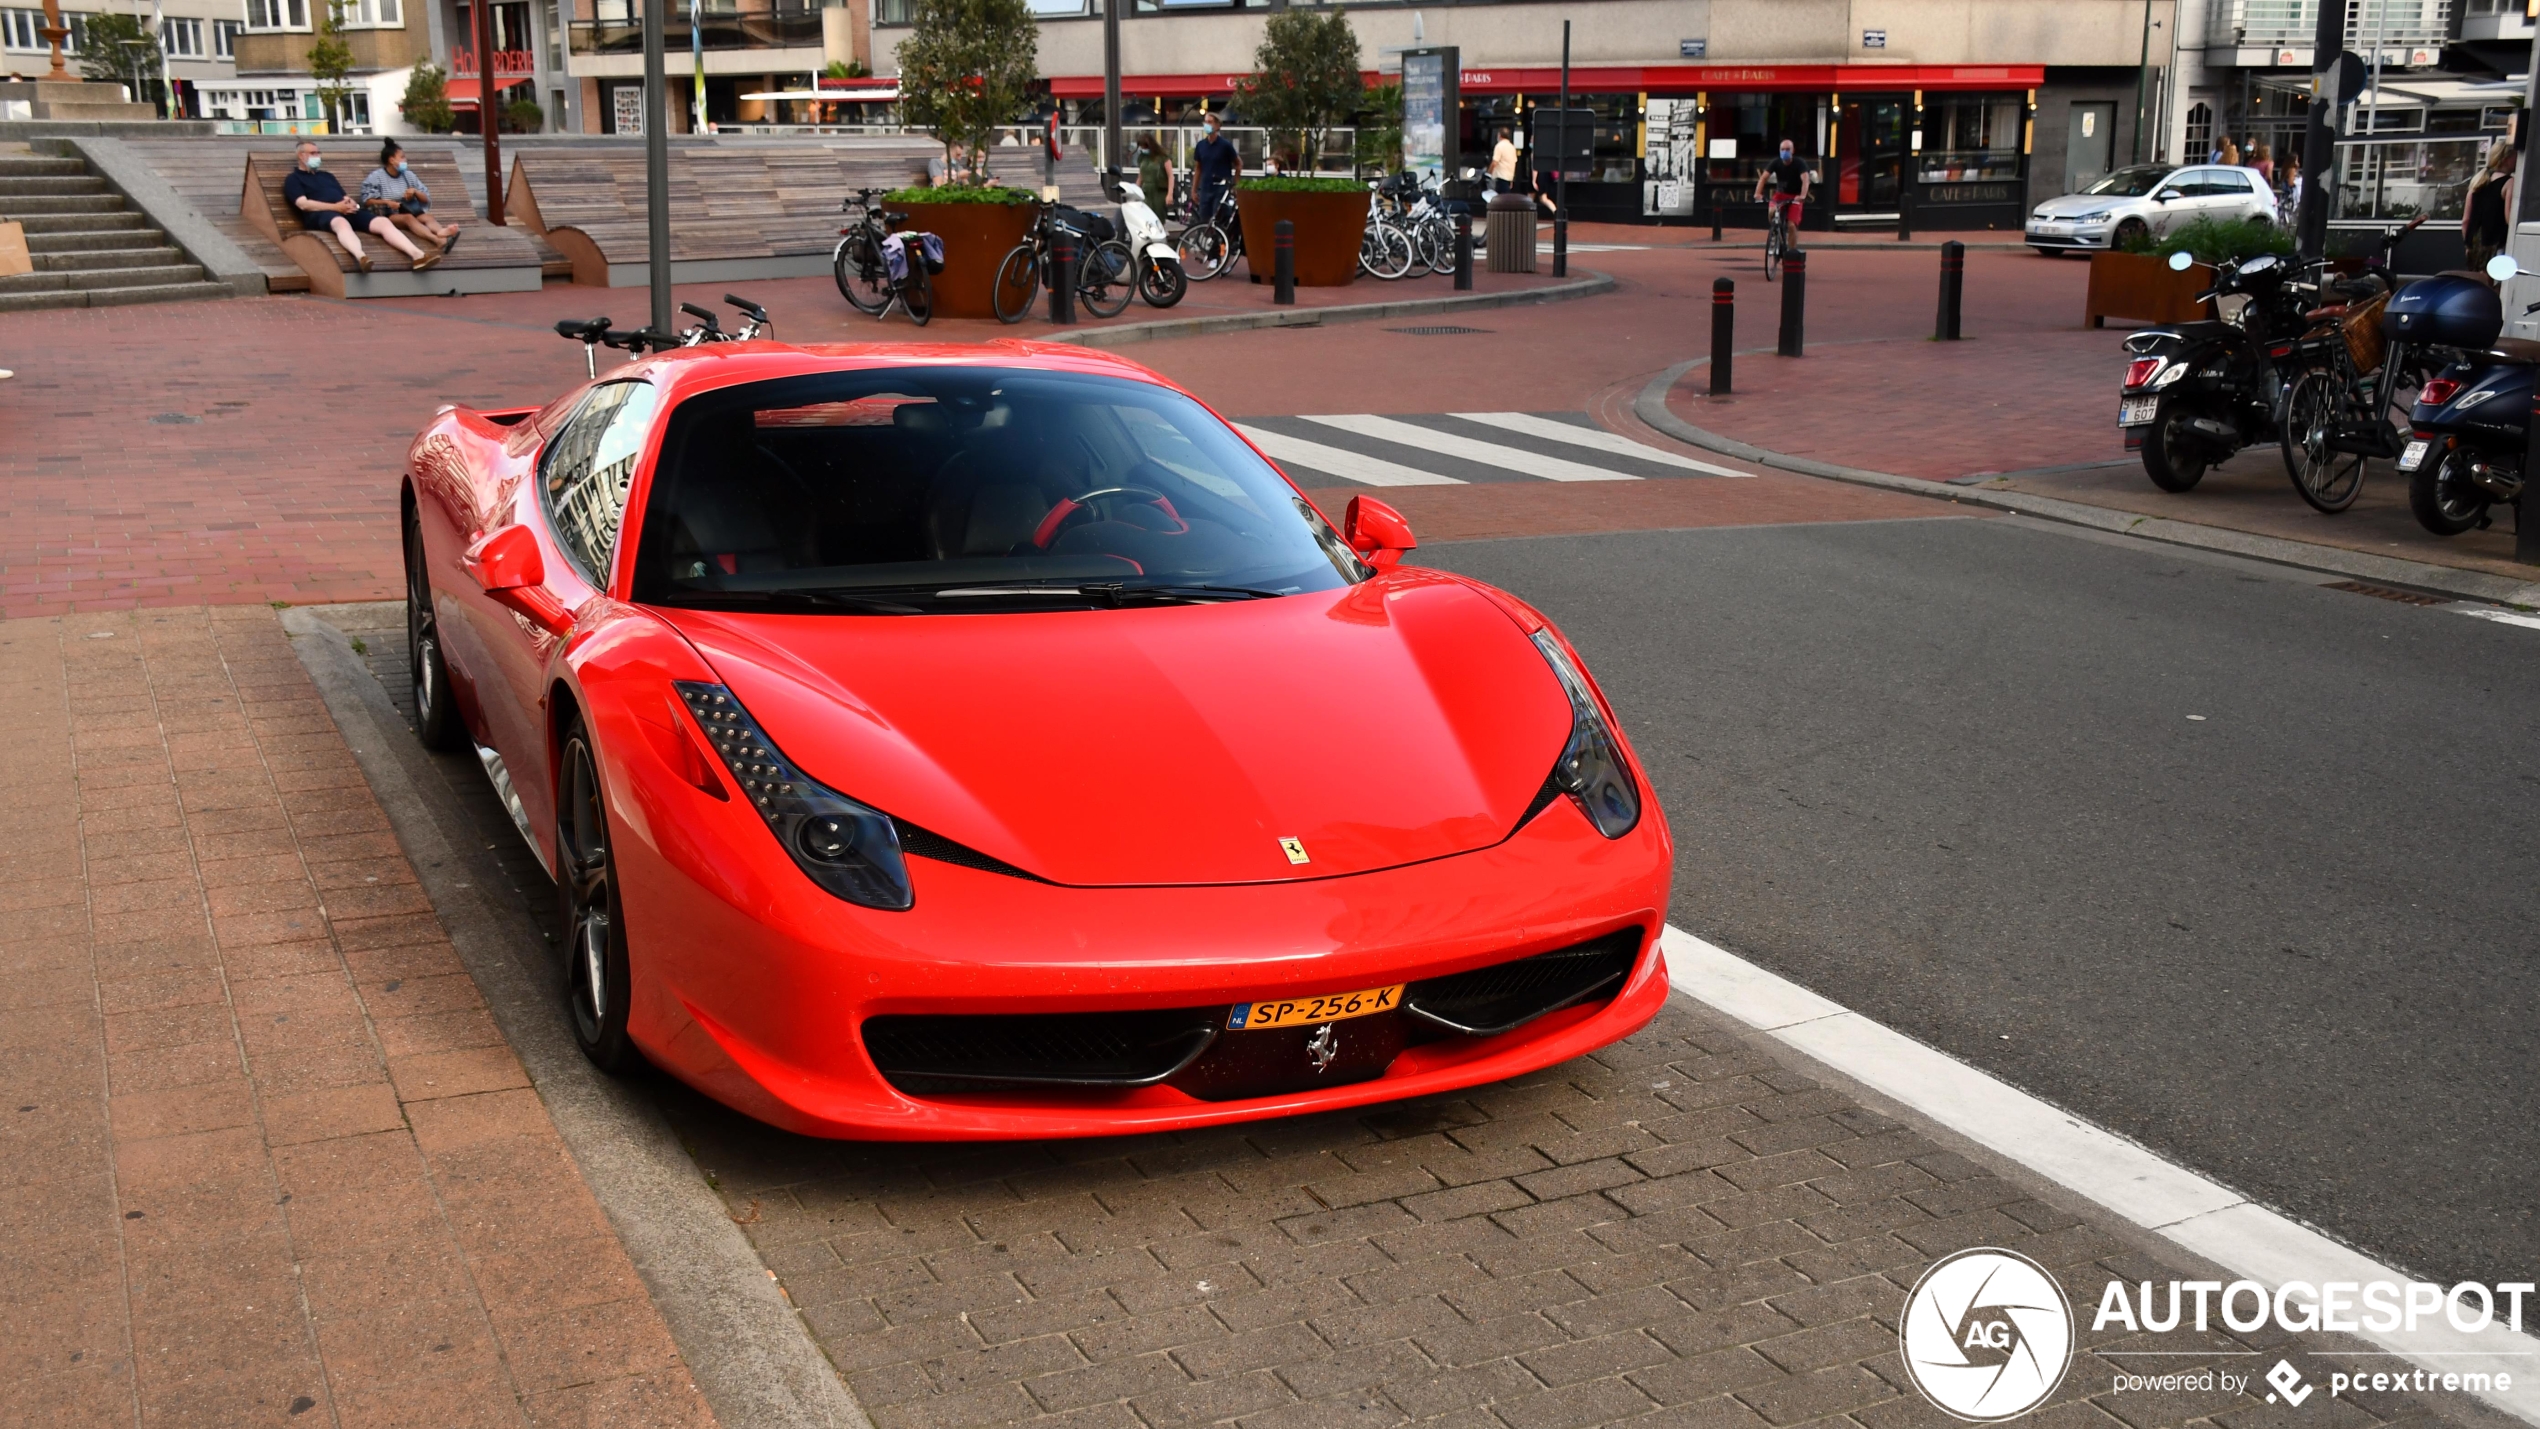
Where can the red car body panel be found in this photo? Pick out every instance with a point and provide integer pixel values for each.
(1399, 728)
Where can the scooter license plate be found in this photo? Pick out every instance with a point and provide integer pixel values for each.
(2413, 457)
(2136, 411)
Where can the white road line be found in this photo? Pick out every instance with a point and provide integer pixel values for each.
(1347, 464)
(1550, 468)
(1593, 438)
(2205, 1217)
(2501, 617)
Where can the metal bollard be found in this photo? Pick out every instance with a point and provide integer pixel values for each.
(1063, 262)
(1715, 223)
(1794, 300)
(1283, 263)
(1561, 245)
(1953, 285)
(1905, 205)
(1723, 332)
(1463, 251)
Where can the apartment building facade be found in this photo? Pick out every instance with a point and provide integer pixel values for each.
(197, 39)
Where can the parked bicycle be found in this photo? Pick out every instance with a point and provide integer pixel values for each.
(857, 261)
(754, 323)
(1105, 276)
(1212, 244)
(2338, 412)
(1386, 250)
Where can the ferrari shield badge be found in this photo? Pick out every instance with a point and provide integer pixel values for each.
(1295, 850)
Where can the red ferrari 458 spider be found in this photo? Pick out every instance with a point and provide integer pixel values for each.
(986, 741)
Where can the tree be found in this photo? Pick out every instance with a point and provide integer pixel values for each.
(331, 64)
(120, 48)
(1305, 80)
(1380, 129)
(967, 67)
(427, 102)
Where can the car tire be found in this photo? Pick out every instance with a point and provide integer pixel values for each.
(437, 722)
(2132, 231)
(596, 972)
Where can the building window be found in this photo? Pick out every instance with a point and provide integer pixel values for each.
(2200, 133)
(892, 12)
(183, 39)
(1970, 137)
(277, 14)
(368, 14)
(225, 39)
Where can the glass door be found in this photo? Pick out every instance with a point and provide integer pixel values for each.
(1872, 152)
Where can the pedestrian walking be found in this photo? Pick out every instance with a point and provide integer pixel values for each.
(1213, 161)
(2483, 216)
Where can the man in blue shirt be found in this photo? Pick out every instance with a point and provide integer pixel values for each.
(1213, 162)
(318, 197)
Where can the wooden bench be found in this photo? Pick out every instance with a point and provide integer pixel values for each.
(487, 259)
(738, 212)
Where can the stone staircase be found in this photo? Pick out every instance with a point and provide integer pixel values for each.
(91, 249)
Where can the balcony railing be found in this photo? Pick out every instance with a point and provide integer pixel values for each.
(2293, 24)
(620, 30)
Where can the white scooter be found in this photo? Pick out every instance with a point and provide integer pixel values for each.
(1160, 278)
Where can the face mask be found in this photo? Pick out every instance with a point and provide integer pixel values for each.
(401, 167)
(311, 161)
(1786, 153)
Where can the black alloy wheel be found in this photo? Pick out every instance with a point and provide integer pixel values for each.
(2170, 456)
(1018, 278)
(861, 279)
(2132, 234)
(437, 723)
(2446, 501)
(595, 926)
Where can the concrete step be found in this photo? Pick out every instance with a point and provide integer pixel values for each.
(27, 166)
(85, 240)
(86, 260)
(102, 278)
(61, 223)
(112, 297)
(32, 205)
(15, 186)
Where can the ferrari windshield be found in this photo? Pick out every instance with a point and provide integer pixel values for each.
(930, 489)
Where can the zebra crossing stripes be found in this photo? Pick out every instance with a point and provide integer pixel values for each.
(1349, 465)
(1485, 453)
(1594, 438)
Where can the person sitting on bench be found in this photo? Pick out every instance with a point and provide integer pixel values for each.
(318, 198)
(396, 190)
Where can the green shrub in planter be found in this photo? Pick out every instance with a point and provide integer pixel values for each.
(960, 193)
(2213, 240)
(1292, 184)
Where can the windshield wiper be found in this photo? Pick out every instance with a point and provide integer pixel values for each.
(864, 603)
(1120, 591)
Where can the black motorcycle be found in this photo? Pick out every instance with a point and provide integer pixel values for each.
(2198, 392)
(2467, 431)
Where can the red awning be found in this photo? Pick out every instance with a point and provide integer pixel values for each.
(1624, 79)
(462, 89)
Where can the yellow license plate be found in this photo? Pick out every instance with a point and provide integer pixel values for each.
(1297, 1011)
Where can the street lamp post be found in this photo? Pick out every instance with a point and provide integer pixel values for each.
(488, 116)
(1111, 95)
(2142, 80)
(657, 162)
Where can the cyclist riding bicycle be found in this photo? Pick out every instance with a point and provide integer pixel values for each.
(1791, 178)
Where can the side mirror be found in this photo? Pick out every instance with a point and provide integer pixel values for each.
(508, 567)
(2503, 266)
(1376, 532)
(2164, 196)
(2181, 261)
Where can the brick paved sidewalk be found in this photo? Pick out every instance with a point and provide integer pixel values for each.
(271, 1161)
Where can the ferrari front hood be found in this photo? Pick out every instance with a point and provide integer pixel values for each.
(1307, 736)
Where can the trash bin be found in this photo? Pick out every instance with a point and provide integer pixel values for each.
(1511, 236)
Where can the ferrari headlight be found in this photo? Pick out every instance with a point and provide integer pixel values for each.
(1591, 769)
(846, 848)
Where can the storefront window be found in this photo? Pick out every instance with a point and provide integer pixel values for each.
(1971, 137)
(1745, 131)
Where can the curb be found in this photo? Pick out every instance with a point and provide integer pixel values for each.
(1651, 408)
(739, 1336)
(1589, 286)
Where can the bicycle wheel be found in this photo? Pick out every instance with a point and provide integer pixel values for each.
(918, 293)
(1018, 279)
(1393, 249)
(1105, 279)
(2318, 405)
(1437, 247)
(858, 265)
(1772, 249)
(1204, 253)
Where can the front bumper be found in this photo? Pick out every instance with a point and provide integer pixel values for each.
(2067, 235)
(753, 985)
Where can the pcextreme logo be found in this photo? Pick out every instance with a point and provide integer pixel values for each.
(1987, 1335)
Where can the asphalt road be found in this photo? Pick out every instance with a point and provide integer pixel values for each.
(1945, 772)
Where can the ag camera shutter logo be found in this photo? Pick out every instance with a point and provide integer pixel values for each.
(1987, 1335)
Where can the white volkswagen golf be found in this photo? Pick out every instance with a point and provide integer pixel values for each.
(2145, 202)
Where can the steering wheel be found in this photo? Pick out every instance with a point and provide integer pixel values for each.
(1067, 510)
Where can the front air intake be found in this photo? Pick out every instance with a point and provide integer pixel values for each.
(958, 1053)
(1488, 1001)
